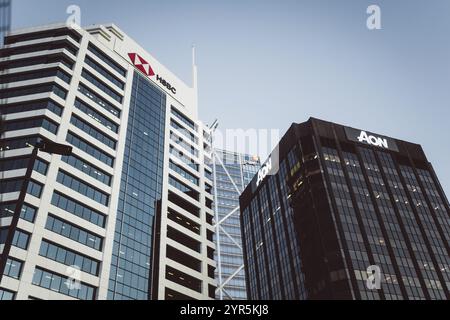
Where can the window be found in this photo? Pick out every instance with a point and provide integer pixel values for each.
(13, 268)
(40, 166)
(44, 59)
(35, 47)
(183, 188)
(34, 188)
(91, 112)
(185, 132)
(31, 106)
(44, 34)
(23, 91)
(68, 257)
(82, 187)
(28, 213)
(20, 239)
(16, 77)
(101, 85)
(7, 209)
(93, 132)
(6, 294)
(73, 232)
(183, 118)
(184, 173)
(90, 62)
(12, 185)
(31, 123)
(18, 143)
(61, 284)
(99, 100)
(87, 168)
(89, 149)
(110, 62)
(76, 208)
(3, 235)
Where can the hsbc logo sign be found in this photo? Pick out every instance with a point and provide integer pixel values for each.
(142, 65)
(371, 139)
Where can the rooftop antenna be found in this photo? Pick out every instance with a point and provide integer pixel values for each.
(194, 69)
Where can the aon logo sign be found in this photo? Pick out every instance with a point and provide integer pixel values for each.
(262, 173)
(372, 140)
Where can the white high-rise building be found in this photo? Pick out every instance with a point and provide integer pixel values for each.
(129, 214)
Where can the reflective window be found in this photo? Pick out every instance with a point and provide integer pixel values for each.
(21, 239)
(105, 58)
(55, 282)
(13, 268)
(93, 132)
(99, 100)
(73, 232)
(91, 112)
(101, 85)
(81, 187)
(32, 106)
(68, 257)
(90, 62)
(87, 168)
(78, 209)
(89, 149)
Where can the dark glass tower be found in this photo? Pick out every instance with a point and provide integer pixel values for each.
(5, 18)
(140, 191)
(330, 202)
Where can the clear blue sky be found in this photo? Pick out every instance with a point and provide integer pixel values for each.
(266, 64)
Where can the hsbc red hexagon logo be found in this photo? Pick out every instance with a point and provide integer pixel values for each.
(141, 64)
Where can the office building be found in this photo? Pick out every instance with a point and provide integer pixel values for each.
(5, 18)
(231, 173)
(334, 209)
(129, 214)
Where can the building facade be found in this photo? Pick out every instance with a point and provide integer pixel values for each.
(335, 209)
(5, 18)
(129, 214)
(231, 173)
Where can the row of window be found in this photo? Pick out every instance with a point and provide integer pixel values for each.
(81, 187)
(183, 188)
(32, 106)
(31, 123)
(90, 62)
(101, 85)
(38, 74)
(19, 143)
(91, 112)
(73, 232)
(45, 59)
(110, 62)
(76, 208)
(89, 149)
(99, 100)
(87, 168)
(24, 91)
(44, 34)
(68, 257)
(20, 238)
(15, 185)
(61, 44)
(97, 134)
(27, 212)
(184, 173)
(183, 118)
(62, 284)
